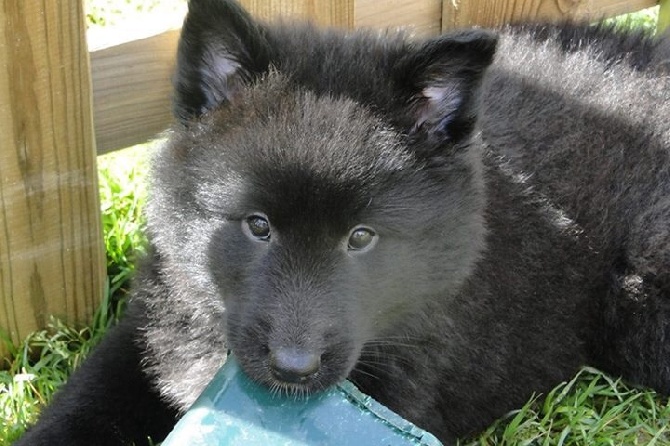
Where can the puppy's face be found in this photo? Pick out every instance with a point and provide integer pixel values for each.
(319, 227)
(312, 209)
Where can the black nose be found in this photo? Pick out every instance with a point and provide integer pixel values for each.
(294, 365)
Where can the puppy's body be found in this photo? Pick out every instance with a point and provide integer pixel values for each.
(586, 137)
(332, 201)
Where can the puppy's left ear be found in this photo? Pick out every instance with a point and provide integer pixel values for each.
(221, 48)
(439, 84)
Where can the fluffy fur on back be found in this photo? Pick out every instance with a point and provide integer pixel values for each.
(585, 136)
(453, 224)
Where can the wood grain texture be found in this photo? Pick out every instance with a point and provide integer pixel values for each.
(51, 251)
(492, 13)
(422, 18)
(131, 75)
(132, 90)
(338, 13)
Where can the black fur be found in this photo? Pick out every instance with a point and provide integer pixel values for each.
(520, 221)
(608, 43)
(603, 159)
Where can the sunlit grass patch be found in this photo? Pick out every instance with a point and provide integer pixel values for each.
(591, 409)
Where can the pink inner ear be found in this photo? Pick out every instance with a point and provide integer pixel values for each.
(222, 64)
(436, 103)
(445, 97)
(221, 74)
(436, 94)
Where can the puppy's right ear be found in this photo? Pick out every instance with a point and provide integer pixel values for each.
(221, 48)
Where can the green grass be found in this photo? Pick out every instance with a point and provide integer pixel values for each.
(645, 20)
(100, 13)
(39, 366)
(591, 409)
(122, 195)
(44, 360)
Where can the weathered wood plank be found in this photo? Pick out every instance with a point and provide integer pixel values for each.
(132, 90)
(491, 13)
(131, 80)
(51, 250)
(322, 12)
(422, 17)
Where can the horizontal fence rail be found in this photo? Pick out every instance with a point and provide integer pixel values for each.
(131, 80)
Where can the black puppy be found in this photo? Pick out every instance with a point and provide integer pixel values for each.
(369, 207)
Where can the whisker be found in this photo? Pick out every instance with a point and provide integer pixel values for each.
(366, 373)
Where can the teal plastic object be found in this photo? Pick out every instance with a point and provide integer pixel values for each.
(235, 411)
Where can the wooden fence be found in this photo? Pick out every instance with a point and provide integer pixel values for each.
(51, 254)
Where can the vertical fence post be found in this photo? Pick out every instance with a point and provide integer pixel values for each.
(51, 252)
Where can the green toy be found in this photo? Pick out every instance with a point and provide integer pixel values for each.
(234, 411)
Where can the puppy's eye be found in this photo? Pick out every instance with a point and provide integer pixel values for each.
(362, 238)
(257, 226)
